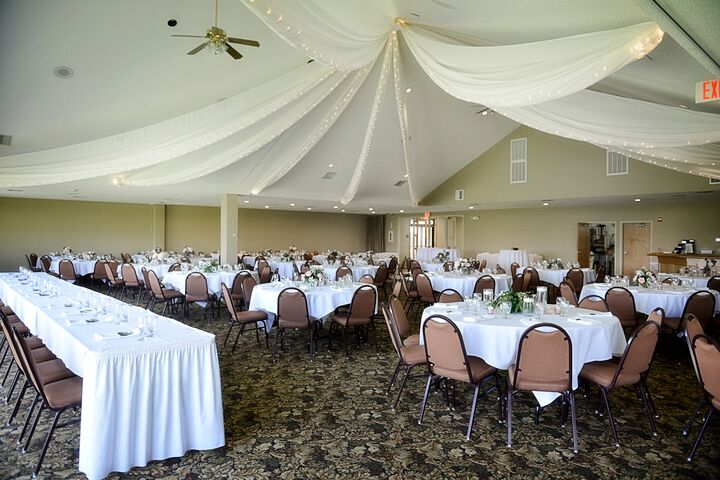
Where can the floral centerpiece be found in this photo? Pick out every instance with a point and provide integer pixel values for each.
(66, 250)
(464, 264)
(208, 267)
(315, 274)
(188, 250)
(89, 255)
(292, 249)
(553, 264)
(707, 269)
(286, 256)
(443, 256)
(515, 299)
(643, 278)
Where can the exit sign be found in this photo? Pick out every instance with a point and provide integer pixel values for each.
(707, 91)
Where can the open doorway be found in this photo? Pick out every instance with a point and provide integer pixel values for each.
(596, 245)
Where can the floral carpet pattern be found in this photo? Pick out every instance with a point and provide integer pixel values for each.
(331, 419)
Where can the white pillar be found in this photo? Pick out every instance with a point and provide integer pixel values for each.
(228, 228)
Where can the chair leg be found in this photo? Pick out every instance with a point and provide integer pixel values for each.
(227, 335)
(425, 399)
(610, 417)
(472, 409)
(394, 376)
(648, 410)
(277, 334)
(402, 386)
(18, 402)
(32, 429)
(28, 417)
(237, 337)
(347, 351)
(571, 396)
(709, 414)
(501, 412)
(691, 420)
(509, 415)
(47, 443)
(12, 387)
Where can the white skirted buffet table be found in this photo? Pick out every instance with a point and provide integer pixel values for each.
(144, 397)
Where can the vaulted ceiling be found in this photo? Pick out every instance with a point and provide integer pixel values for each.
(127, 72)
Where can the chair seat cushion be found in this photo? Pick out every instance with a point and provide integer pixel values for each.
(52, 371)
(540, 385)
(64, 393)
(412, 340)
(196, 298)
(601, 373)
(34, 342)
(7, 310)
(672, 322)
(251, 316)
(345, 321)
(170, 294)
(412, 294)
(413, 354)
(42, 354)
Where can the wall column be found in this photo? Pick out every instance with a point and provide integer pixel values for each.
(228, 228)
(158, 226)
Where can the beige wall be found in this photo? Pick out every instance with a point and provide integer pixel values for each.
(41, 226)
(557, 169)
(259, 229)
(197, 227)
(552, 231)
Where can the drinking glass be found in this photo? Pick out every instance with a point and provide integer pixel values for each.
(528, 306)
(542, 295)
(488, 295)
(539, 311)
(151, 325)
(505, 309)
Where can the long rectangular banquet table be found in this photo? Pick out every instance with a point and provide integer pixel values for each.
(144, 398)
(671, 298)
(595, 336)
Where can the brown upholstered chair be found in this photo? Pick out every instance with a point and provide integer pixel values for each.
(45, 262)
(304, 268)
(401, 322)
(568, 293)
(236, 293)
(517, 284)
(486, 281)
(248, 285)
(707, 355)
(396, 287)
(600, 274)
(57, 396)
(175, 267)
(367, 279)
(66, 269)
(265, 274)
(343, 271)
(450, 295)
(196, 291)
(701, 304)
(594, 302)
(292, 313)
(113, 281)
(32, 262)
(411, 295)
(244, 318)
(531, 279)
(423, 285)
(621, 303)
(693, 328)
(380, 279)
(392, 266)
(447, 359)
(132, 282)
(409, 356)
(577, 277)
(631, 370)
(543, 363)
(499, 270)
(513, 269)
(713, 283)
(146, 285)
(360, 314)
(99, 275)
(260, 262)
(166, 296)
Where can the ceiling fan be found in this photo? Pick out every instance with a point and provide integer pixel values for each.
(217, 40)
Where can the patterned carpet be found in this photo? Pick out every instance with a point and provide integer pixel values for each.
(330, 418)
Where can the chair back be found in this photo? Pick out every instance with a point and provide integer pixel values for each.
(531, 279)
(227, 297)
(392, 329)
(517, 284)
(33, 260)
(292, 309)
(23, 356)
(513, 268)
(486, 281)
(600, 274)
(144, 272)
(305, 268)
(578, 279)
(248, 284)
(638, 355)
(260, 263)
(392, 266)
(175, 267)
(424, 287)
(155, 286)
(307, 256)
(450, 295)
(45, 262)
(622, 304)
(30, 264)
(714, 283)
(403, 281)
(66, 269)
(482, 264)
(702, 305)
(196, 286)
(693, 328)
(707, 353)
(397, 287)
(343, 271)
(265, 274)
(237, 283)
(415, 272)
(99, 270)
(398, 313)
(381, 275)
(363, 302)
(110, 274)
(367, 278)
(499, 270)
(445, 350)
(544, 359)
(568, 293)
(129, 275)
(9, 334)
(449, 266)
(594, 302)
(414, 264)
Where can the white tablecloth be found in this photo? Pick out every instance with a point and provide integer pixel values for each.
(465, 284)
(322, 301)
(507, 257)
(176, 280)
(429, 253)
(556, 276)
(432, 266)
(141, 401)
(495, 339)
(358, 270)
(698, 282)
(82, 267)
(160, 269)
(646, 300)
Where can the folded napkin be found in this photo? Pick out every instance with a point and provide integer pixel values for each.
(586, 321)
(470, 319)
(118, 334)
(454, 306)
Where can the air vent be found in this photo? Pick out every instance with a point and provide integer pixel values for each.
(459, 195)
(617, 164)
(518, 160)
(329, 175)
(715, 181)
(6, 140)
(400, 183)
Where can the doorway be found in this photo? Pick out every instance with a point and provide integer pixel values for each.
(422, 234)
(596, 245)
(636, 237)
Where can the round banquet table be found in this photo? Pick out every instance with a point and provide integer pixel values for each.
(595, 336)
(176, 280)
(160, 269)
(550, 275)
(429, 253)
(358, 270)
(82, 267)
(465, 284)
(432, 266)
(671, 299)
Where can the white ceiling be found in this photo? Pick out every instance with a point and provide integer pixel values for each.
(129, 73)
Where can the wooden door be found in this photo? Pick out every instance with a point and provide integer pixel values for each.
(583, 245)
(636, 246)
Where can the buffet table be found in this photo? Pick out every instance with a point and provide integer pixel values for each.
(144, 398)
(429, 253)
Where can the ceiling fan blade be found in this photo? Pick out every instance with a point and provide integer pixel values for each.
(190, 36)
(244, 41)
(233, 53)
(197, 49)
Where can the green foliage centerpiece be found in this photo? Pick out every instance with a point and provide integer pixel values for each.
(515, 299)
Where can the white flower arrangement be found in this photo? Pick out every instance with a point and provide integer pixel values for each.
(89, 255)
(643, 278)
(286, 256)
(463, 264)
(443, 256)
(316, 273)
(208, 267)
(188, 250)
(553, 264)
(66, 250)
(292, 249)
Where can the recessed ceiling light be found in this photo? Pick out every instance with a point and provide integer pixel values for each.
(63, 72)
(637, 199)
(117, 181)
(331, 165)
(371, 209)
(335, 206)
(408, 90)
(342, 210)
(292, 204)
(471, 207)
(309, 208)
(545, 204)
(246, 201)
(402, 211)
(405, 176)
(267, 206)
